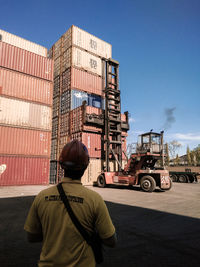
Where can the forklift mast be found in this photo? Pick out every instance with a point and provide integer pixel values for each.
(112, 126)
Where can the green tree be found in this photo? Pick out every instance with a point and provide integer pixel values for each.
(193, 157)
(197, 154)
(189, 156)
(177, 160)
(173, 146)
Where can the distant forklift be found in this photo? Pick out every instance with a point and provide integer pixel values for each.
(140, 169)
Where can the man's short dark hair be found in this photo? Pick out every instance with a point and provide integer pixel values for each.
(74, 174)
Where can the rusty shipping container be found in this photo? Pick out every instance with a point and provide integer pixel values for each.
(92, 141)
(73, 121)
(77, 119)
(65, 125)
(74, 78)
(54, 128)
(54, 149)
(12, 39)
(56, 107)
(21, 60)
(21, 113)
(17, 170)
(17, 141)
(75, 36)
(56, 87)
(25, 87)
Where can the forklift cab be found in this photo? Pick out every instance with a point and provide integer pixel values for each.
(150, 142)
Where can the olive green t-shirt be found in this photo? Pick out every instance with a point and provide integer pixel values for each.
(63, 245)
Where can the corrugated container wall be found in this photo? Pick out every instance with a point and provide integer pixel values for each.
(86, 41)
(21, 60)
(91, 43)
(92, 141)
(26, 91)
(73, 78)
(75, 57)
(12, 39)
(17, 141)
(19, 85)
(24, 114)
(15, 170)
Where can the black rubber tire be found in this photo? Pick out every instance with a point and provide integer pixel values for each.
(101, 182)
(147, 183)
(192, 178)
(174, 177)
(182, 178)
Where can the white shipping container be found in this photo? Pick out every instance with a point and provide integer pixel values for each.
(92, 172)
(25, 114)
(74, 57)
(86, 41)
(12, 39)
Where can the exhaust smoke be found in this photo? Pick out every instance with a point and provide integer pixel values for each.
(169, 114)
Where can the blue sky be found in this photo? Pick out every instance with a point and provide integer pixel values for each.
(157, 43)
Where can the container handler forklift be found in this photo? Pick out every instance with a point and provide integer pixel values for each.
(140, 168)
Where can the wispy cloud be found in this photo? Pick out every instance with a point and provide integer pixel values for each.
(131, 120)
(185, 139)
(187, 136)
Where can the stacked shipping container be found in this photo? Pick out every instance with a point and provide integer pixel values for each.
(26, 76)
(79, 75)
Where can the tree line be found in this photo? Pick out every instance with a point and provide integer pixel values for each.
(192, 157)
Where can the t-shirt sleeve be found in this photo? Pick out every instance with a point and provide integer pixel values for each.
(104, 225)
(32, 223)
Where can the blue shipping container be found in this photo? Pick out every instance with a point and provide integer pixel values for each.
(72, 99)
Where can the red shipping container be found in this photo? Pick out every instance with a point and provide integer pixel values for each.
(77, 119)
(87, 128)
(64, 124)
(21, 60)
(74, 78)
(123, 117)
(25, 87)
(92, 141)
(23, 170)
(93, 110)
(18, 141)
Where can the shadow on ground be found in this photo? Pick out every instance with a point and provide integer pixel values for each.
(145, 237)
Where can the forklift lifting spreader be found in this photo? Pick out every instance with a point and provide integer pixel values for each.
(140, 168)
